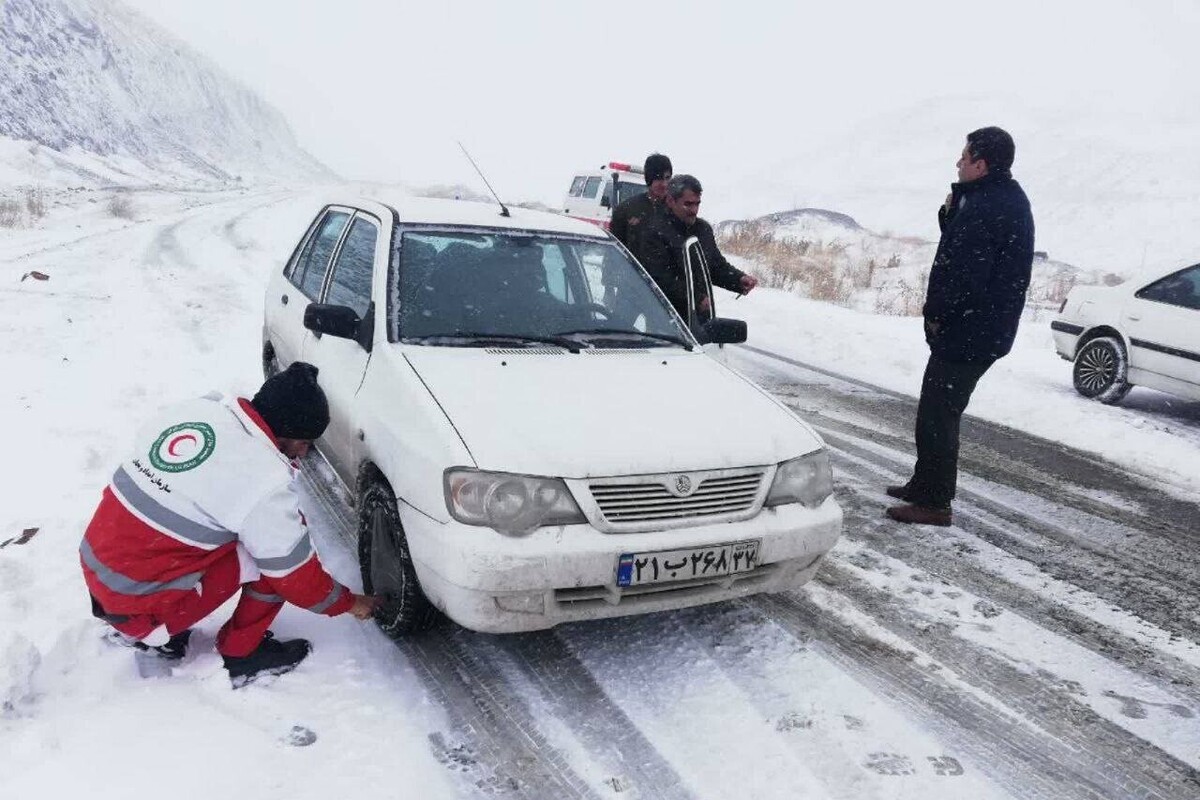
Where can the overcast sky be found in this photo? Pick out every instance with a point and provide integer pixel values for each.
(538, 90)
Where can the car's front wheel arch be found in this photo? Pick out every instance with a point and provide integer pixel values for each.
(385, 559)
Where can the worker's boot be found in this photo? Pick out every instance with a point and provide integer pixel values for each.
(271, 657)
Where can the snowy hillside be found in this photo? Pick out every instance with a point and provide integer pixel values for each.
(826, 255)
(1110, 191)
(92, 93)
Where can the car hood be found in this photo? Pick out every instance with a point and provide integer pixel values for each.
(609, 412)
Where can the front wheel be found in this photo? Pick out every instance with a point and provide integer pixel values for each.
(1102, 370)
(387, 566)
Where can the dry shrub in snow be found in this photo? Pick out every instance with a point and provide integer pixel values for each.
(11, 213)
(120, 206)
(35, 203)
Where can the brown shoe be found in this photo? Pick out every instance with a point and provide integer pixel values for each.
(920, 515)
(898, 492)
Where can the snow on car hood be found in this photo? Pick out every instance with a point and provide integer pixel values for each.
(612, 412)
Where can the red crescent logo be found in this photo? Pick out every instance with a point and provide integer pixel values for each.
(177, 440)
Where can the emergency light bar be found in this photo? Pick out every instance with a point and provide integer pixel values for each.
(625, 167)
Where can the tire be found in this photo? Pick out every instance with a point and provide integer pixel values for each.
(1101, 370)
(270, 364)
(387, 567)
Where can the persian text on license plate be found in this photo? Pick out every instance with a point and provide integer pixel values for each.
(637, 569)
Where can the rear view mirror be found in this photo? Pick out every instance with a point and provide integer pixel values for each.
(340, 321)
(720, 330)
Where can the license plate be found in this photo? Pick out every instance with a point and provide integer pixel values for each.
(638, 569)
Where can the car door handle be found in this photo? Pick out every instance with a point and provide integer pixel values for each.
(284, 299)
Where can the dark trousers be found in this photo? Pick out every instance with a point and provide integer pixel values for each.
(945, 391)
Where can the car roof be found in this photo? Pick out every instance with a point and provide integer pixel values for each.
(433, 211)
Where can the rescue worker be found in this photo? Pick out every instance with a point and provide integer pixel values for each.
(631, 218)
(663, 257)
(204, 507)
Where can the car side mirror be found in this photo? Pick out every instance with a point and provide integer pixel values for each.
(340, 321)
(720, 330)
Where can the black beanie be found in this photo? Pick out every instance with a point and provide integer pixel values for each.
(657, 166)
(292, 403)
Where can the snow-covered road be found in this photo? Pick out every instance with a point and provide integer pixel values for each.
(1045, 646)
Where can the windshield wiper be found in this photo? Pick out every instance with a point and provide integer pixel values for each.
(492, 339)
(662, 337)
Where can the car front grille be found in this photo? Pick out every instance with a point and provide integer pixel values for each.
(659, 499)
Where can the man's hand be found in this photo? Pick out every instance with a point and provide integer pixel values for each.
(748, 283)
(705, 304)
(365, 605)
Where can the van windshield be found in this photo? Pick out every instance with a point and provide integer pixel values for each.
(458, 288)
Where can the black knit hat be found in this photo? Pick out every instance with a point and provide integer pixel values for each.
(657, 166)
(292, 403)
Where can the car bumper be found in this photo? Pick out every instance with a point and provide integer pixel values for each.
(498, 584)
(1066, 336)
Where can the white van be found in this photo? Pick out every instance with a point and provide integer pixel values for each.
(530, 433)
(590, 197)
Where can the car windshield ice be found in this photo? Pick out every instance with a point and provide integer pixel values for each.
(458, 288)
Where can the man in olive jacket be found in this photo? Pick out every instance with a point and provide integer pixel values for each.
(632, 217)
(976, 294)
(662, 252)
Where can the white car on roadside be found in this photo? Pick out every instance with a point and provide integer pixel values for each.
(1142, 332)
(531, 434)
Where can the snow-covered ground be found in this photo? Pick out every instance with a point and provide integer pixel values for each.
(141, 312)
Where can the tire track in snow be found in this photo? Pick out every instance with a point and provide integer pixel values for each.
(1013, 753)
(1093, 748)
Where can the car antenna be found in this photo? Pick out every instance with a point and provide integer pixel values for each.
(503, 208)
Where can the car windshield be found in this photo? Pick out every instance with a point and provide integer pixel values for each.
(468, 288)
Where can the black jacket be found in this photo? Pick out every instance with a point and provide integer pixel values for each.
(981, 270)
(662, 256)
(632, 218)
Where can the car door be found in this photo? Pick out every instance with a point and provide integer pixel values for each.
(1163, 321)
(342, 363)
(304, 285)
(699, 280)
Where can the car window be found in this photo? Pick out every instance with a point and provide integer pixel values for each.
(301, 248)
(628, 189)
(454, 282)
(351, 282)
(1180, 289)
(592, 187)
(310, 272)
(577, 186)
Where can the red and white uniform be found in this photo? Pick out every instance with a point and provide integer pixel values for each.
(204, 505)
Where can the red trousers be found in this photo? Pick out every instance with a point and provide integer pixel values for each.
(255, 611)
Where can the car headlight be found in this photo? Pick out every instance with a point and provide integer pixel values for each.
(807, 479)
(512, 504)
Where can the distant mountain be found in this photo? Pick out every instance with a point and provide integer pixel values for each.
(1112, 189)
(92, 92)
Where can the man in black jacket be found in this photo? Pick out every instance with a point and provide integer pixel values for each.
(976, 294)
(632, 217)
(662, 252)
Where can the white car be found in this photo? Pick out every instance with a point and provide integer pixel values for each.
(590, 196)
(1143, 332)
(532, 435)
